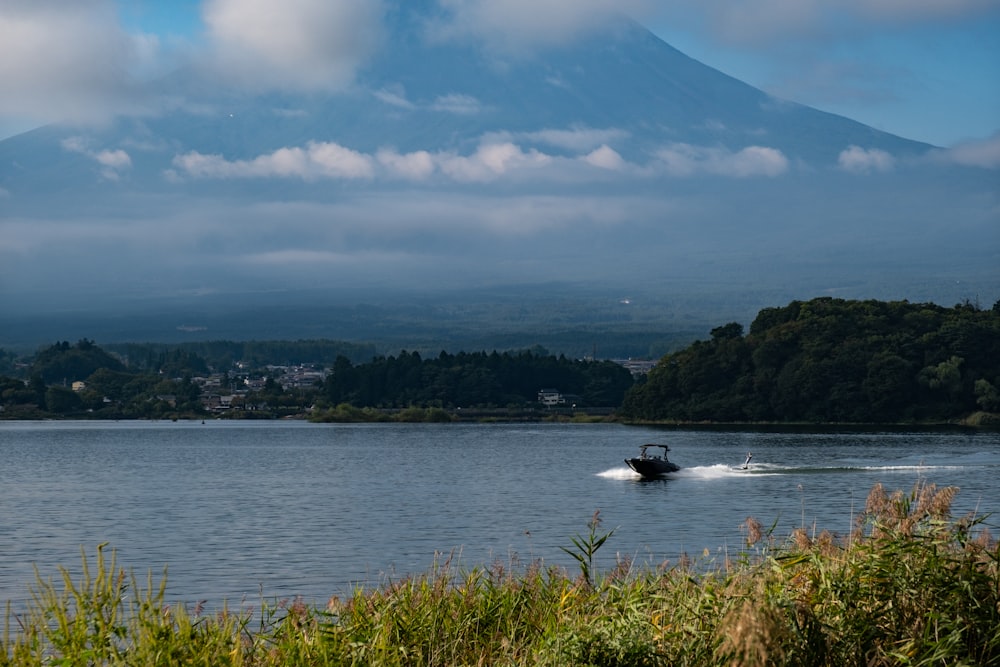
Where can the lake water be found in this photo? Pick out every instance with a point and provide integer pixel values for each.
(290, 508)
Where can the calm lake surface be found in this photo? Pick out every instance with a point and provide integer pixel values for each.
(290, 508)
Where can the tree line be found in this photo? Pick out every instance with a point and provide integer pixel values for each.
(832, 360)
(206, 356)
(824, 360)
(477, 379)
(152, 381)
(110, 389)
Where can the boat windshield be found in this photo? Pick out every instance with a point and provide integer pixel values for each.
(644, 451)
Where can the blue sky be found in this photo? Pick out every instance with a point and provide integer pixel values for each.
(924, 69)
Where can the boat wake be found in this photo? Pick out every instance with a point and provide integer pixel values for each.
(622, 472)
(697, 472)
(720, 471)
(728, 471)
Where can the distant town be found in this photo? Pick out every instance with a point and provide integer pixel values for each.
(83, 380)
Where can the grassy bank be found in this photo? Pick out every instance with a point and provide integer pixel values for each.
(911, 585)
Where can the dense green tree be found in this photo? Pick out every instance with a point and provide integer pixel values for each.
(472, 379)
(831, 360)
(177, 363)
(61, 400)
(987, 396)
(14, 391)
(67, 363)
(37, 387)
(117, 386)
(888, 385)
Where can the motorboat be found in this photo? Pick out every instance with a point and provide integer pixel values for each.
(651, 465)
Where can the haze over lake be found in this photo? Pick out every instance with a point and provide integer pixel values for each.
(291, 508)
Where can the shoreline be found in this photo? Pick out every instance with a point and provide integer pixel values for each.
(990, 422)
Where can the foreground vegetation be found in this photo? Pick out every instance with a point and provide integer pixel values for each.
(911, 586)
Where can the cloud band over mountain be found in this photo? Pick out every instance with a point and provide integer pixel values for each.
(489, 162)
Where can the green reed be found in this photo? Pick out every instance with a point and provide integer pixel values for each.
(910, 585)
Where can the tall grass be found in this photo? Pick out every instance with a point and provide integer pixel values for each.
(910, 585)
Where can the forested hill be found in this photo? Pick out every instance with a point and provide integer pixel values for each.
(832, 360)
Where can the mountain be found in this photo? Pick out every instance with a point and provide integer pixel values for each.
(615, 163)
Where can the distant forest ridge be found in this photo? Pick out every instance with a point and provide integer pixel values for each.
(825, 360)
(571, 320)
(834, 361)
(221, 355)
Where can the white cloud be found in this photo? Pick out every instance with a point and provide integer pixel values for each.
(861, 160)
(983, 153)
(75, 145)
(333, 161)
(394, 96)
(605, 158)
(116, 159)
(457, 103)
(416, 166)
(294, 44)
(324, 160)
(316, 160)
(453, 103)
(496, 158)
(491, 161)
(338, 162)
(114, 162)
(688, 160)
(68, 61)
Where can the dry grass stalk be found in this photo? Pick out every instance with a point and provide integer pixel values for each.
(753, 529)
(752, 634)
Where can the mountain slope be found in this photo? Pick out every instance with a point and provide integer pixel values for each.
(434, 96)
(614, 161)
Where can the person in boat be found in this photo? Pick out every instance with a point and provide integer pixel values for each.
(746, 464)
